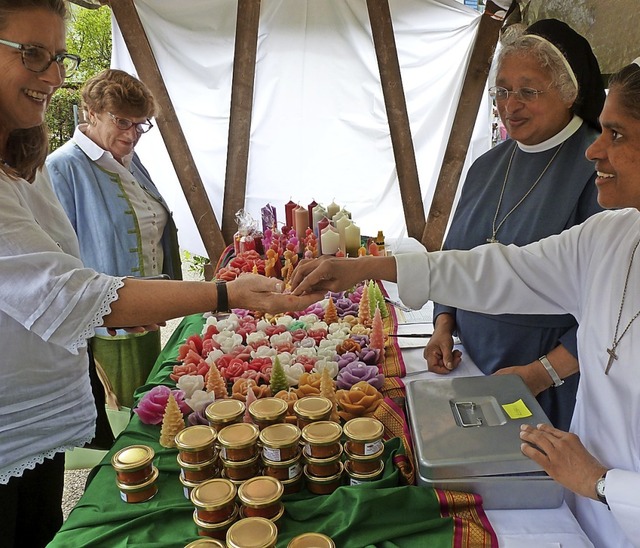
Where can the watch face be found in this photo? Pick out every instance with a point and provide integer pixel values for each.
(600, 487)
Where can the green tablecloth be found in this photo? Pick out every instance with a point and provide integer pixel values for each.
(381, 513)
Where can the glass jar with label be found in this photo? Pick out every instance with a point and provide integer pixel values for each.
(133, 464)
(254, 532)
(260, 497)
(311, 409)
(196, 444)
(322, 439)
(364, 436)
(221, 413)
(238, 442)
(214, 500)
(280, 442)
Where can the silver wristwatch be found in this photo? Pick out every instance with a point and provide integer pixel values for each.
(600, 486)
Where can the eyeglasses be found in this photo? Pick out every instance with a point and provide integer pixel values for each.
(124, 124)
(524, 95)
(39, 59)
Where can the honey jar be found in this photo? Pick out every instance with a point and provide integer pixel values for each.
(280, 442)
(363, 465)
(215, 530)
(282, 470)
(311, 409)
(323, 486)
(214, 500)
(196, 444)
(241, 470)
(293, 485)
(140, 492)
(252, 533)
(238, 442)
(260, 497)
(322, 439)
(221, 413)
(364, 436)
(311, 540)
(133, 464)
(356, 478)
(198, 472)
(267, 411)
(323, 468)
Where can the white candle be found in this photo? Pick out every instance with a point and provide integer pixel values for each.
(330, 240)
(342, 223)
(317, 214)
(332, 209)
(352, 239)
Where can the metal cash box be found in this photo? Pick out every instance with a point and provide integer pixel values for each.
(465, 440)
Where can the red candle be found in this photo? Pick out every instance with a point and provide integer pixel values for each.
(310, 209)
(288, 212)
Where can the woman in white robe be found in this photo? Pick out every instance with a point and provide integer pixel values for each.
(591, 271)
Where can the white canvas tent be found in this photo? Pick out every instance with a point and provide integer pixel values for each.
(319, 128)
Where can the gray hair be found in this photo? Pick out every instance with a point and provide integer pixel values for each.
(514, 41)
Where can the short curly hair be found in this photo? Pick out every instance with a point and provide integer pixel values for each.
(117, 91)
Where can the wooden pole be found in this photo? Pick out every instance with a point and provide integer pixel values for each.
(142, 56)
(394, 99)
(462, 128)
(244, 68)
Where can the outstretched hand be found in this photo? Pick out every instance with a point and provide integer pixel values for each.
(256, 292)
(563, 457)
(338, 273)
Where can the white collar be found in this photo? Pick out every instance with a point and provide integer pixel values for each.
(93, 150)
(560, 137)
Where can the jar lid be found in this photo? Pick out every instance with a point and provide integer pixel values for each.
(211, 527)
(311, 540)
(260, 491)
(238, 435)
(312, 407)
(213, 494)
(322, 432)
(133, 487)
(252, 533)
(132, 458)
(280, 435)
(363, 429)
(328, 479)
(268, 409)
(195, 438)
(363, 477)
(223, 411)
(205, 543)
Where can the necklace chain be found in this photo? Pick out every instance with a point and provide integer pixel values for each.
(495, 228)
(616, 340)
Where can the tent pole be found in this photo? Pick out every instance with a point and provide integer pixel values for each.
(142, 56)
(396, 106)
(242, 84)
(472, 89)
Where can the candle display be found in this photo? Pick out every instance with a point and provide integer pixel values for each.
(329, 240)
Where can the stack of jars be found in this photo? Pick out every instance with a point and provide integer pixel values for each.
(239, 453)
(281, 455)
(267, 411)
(135, 473)
(261, 497)
(322, 453)
(364, 449)
(215, 507)
(197, 456)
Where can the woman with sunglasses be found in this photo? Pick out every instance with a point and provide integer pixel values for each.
(50, 303)
(549, 93)
(123, 224)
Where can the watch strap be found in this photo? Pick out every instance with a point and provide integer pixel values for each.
(223, 297)
(557, 381)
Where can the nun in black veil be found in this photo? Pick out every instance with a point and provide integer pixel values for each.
(549, 93)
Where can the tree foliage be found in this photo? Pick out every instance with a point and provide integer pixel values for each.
(88, 35)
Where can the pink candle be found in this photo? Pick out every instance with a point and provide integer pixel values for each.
(300, 221)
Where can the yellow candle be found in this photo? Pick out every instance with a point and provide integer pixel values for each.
(352, 239)
(341, 224)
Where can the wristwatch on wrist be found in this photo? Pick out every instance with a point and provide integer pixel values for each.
(557, 381)
(600, 486)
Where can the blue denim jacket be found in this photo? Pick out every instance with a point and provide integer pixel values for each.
(90, 195)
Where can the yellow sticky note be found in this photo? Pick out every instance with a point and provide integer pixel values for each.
(517, 410)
